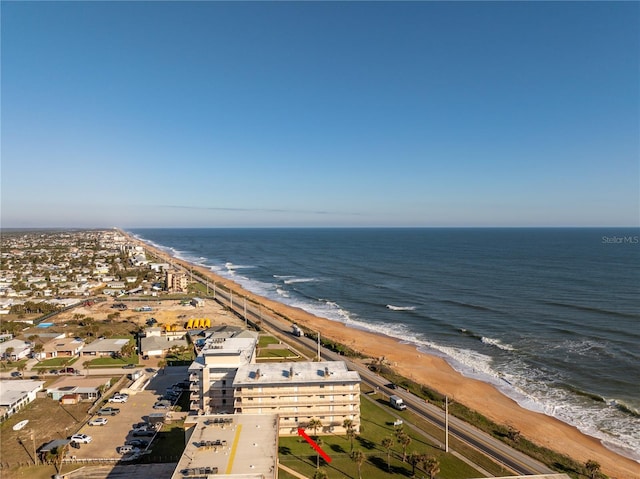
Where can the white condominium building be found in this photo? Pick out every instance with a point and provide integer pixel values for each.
(299, 392)
(211, 374)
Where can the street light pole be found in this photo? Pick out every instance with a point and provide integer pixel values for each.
(446, 424)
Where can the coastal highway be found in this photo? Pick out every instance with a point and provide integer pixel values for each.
(501, 453)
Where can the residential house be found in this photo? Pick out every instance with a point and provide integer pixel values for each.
(104, 347)
(15, 394)
(88, 388)
(64, 347)
(20, 349)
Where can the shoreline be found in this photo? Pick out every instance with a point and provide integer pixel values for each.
(434, 372)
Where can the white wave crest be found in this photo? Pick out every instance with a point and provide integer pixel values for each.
(300, 280)
(282, 292)
(401, 308)
(497, 343)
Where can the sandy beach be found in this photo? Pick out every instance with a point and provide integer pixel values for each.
(435, 373)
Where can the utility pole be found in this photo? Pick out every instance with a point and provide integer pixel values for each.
(33, 440)
(446, 424)
(319, 346)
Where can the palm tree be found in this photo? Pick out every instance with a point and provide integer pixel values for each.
(320, 474)
(350, 430)
(404, 439)
(8, 352)
(22, 367)
(358, 457)
(431, 467)
(387, 442)
(161, 364)
(314, 424)
(319, 443)
(414, 460)
(593, 468)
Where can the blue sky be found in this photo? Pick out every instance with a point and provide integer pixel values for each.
(223, 114)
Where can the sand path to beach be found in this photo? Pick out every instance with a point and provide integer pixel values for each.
(435, 373)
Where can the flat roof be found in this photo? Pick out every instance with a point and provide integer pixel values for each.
(239, 444)
(307, 372)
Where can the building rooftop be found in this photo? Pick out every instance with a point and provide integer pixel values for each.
(284, 373)
(243, 445)
(99, 345)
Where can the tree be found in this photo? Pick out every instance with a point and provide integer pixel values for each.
(350, 430)
(513, 433)
(415, 458)
(161, 364)
(57, 455)
(37, 349)
(22, 367)
(319, 443)
(320, 474)
(404, 439)
(8, 353)
(314, 424)
(358, 457)
(387, 442)
(431, 466)
(593, 468)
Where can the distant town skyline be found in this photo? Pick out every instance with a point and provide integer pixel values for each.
(312, 114)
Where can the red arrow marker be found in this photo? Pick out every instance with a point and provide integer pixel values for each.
(313, 444)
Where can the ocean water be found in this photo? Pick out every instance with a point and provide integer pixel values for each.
(551, 317)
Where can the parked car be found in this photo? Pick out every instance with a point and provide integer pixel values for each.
(98, 421)
(137, 443)
(129, 366)
(143, 433)
(108, 411)
(81, 438)
(118, 398)
(127, 449)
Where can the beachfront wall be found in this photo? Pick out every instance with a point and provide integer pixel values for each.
(299, 392)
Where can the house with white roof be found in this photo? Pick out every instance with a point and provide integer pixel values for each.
(15, 394)
(104, 347)
(19, 350)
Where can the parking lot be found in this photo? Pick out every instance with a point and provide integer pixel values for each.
(107, 438)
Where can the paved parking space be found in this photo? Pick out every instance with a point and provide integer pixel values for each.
(107, 438)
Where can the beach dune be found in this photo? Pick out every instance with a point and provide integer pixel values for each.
(436, 374)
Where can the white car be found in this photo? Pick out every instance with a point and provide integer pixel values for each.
(98, 421)
(128, 449)
(118, 398)
(81, 438)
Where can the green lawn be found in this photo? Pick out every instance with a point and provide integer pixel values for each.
(377, 424)
(113, 362)
(277, 353)
(266, 340)
(55, 362)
